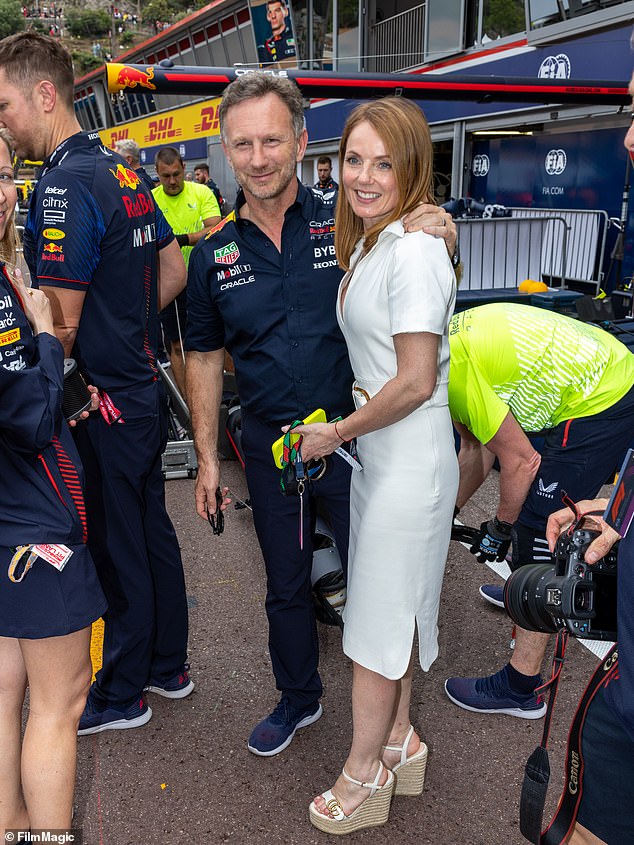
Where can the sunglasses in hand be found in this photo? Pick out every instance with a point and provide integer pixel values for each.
(217, 519)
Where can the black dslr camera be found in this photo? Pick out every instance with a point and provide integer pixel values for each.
(571, 595)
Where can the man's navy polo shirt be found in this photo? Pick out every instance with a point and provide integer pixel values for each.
(330, 185)
(92, 227)
(274, 312)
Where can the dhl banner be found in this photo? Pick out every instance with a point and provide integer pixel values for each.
(189, 123)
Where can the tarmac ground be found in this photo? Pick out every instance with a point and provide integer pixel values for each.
(187, 776)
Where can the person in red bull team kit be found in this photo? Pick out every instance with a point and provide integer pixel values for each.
(281, 43)
(264, 285)
(49, 590)
(100, 269)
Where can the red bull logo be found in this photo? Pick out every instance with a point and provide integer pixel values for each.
(127, 178)
(130, 77)
(52, 252)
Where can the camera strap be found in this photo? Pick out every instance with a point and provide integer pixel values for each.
(566, 814)
(537, 769)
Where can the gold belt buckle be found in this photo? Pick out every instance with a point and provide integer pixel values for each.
(363, 392)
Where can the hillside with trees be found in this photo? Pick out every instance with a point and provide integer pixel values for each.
(97, 30)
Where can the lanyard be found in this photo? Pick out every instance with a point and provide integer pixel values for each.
(293, 478)
(20, 552)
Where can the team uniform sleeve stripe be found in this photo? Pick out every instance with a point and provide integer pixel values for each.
(65, 282)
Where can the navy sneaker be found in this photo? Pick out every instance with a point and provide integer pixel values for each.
(494, 695)
(94, 720)
(493, 594)
(276, 732)
(179, 686)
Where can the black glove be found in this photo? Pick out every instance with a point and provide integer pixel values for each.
(493, 541)
(182, 240)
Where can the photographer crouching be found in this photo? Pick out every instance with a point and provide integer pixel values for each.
(604, 791)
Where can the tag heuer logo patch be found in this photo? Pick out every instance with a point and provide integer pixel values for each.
(228, 254)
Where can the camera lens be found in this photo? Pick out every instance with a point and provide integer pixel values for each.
(524, 597)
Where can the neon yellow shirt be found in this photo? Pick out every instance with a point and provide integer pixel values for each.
(543, 366)
(186, 211)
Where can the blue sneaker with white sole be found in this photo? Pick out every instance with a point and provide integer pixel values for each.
(94, 719)
(276, 732)
(493, 594)
(179, 685)
(493, 694)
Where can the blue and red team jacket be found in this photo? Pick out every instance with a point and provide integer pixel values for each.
(93, 227)
(41, 499)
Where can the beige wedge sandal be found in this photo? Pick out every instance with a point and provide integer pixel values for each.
(410, 772)
(372, 812)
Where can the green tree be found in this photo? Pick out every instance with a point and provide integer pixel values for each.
(126, 39)
(87, 23)
(503, 17)
(156, 10)
(83, 62)
(167, 10)
(11, 17)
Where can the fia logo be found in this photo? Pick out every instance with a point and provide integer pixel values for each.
(481, 165)
(555, 67)
(555, 163)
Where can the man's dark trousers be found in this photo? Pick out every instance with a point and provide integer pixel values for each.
(293, 642)
(134, 545)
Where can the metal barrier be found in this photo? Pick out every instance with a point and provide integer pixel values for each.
(499, 253)
(586, 232)
(397, 43)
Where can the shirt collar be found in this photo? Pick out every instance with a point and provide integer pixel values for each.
(80, 139)
(394, 228)
(304, 199)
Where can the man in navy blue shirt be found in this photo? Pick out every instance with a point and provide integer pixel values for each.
(263, 285)
(326, 185)
(325, 182)
(94, 244)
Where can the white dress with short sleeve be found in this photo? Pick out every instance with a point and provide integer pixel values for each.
(401, 504)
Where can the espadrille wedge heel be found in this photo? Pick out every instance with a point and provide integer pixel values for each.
(374, 811)
(410, 772)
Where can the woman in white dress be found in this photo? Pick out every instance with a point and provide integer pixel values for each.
(394, 306)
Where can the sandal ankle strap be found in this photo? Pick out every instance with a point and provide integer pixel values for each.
(402, 748)
(371, 786)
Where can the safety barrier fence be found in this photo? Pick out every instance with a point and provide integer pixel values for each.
(499, 253)
(586, 232)
(554, 246)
